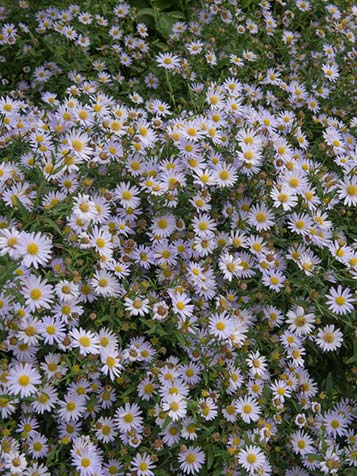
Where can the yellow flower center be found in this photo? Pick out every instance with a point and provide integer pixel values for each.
(35, 294)
(77, 145)
(32, 249)
(190, 458)
(23, 380)
(128, 418)
(340, 300)
(85, 462)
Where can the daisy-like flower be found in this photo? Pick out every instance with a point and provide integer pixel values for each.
(251, 458)
(230, 266)
(340, 300)
(299, 321)
(280, 390)
(329, 338)
(181, 304)
(168, 61)
(142, 465)
(176, 406)
(257, 365)
(128, 417)
(224, 175)
(260, 217)
(171, 434)
(273, 279)
(105, 429)
(127, 195)
(331, 71)
(283, 196)
(101, 240)
(163, 225)
(78, 144)
(85, 457)
(137, 306)
(191, 460)
(67, 290)
(335, 423)
(35, 249)
(208, 408)
(9, 240)
(45, 400)
(37, 293)
(38, 446)
(22, 380)
(84, 208)
(146, 389)
(204, 225)
(348, 191)
(72, 407)
(248, 409)
(105, 284)
(111, 363)
(190, 373)
(86, 341)
(221, 325)
(15, 462)
(301, 442)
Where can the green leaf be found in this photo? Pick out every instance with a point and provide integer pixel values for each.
(176, 15)
(25, 215)
(329, 383)
(163, 4)
(210, 460)
(145, 12)
(164, 24)
(166, 423)
(53, 225)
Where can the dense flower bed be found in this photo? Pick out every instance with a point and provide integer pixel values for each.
(178, 247)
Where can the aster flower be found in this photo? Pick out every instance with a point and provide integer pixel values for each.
(86, 341)
(22, 380)
(191, 460)
(37, 293)
(329, 338)
(251, 458)
(34, 249)
(168, 61)
(340, 300)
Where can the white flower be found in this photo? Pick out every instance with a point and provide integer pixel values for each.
(78, 144)
(329, 338)
(137, 306)
(168, 61)
(221, 325)
(34, 249)
(142, 465)
(175, 405)
(22, 380)
(37, 293)
(128, 417)
(340, 300)
(301, 442)
(86, 341)
(248, 408)
(251, 458)
(348, 191)
(84, 208)
(191, 460)
(127, 195)
(72, 407)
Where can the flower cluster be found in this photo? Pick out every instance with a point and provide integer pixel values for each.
(178, 258)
